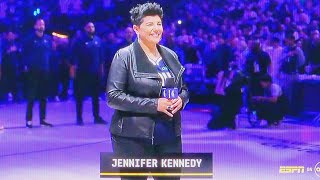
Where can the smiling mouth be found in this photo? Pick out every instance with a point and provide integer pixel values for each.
(155, 35)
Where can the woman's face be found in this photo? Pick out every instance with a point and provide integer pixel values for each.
(150, 30)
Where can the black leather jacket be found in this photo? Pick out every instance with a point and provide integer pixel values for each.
(134, 87)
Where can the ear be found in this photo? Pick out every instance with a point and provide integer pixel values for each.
(136, 29)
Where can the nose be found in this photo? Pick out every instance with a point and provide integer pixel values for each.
(157, 28)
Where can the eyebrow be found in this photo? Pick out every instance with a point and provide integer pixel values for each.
(153, 22)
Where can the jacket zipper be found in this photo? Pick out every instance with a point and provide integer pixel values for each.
(159, 88)
(153, 126)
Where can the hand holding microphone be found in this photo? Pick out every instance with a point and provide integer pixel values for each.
(176, 105)
(170, 102)
(164, 106)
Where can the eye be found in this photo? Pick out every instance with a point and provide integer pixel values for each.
(149, 24)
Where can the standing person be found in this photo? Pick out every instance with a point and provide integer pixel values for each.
(11, 64)
(64, 68)
(293, 57)
(293, 61)
(143, 122)
(54, 71)
(87, 69)
(275, 52)
(313, 53)
(60, 73)
(129, 37)
(257, 64)
(36, 56)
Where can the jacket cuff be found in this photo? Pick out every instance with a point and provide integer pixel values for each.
(155, 107)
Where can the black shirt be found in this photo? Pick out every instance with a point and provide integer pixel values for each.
(37, 52)
(88, 54)
(257, 63)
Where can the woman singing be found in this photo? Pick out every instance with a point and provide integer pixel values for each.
(145, 123)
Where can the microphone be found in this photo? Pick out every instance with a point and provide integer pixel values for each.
(169, 90)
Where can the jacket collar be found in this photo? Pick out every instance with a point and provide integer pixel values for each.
(145, 67)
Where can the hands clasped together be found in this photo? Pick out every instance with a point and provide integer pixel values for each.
(169, 106)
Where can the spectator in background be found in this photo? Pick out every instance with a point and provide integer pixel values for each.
(169, 40)
(54, 71)
(10, 65)
(59, 69)
(281, 33)
(292, 63)
(275, 51)
(240, 53)
(64, 67)
(128, 36)
(209, 59)
(110, 46)
(178, 48)
(314, 24)
(294, 58)
(190, 50)
(76, 7)
(77, 35)
(223, 55)
(247, 31)
(313, 53)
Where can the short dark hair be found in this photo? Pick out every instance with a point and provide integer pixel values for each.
(290, 36)
(38, 19)
(275, 40)
(266, 78)
(146, 9)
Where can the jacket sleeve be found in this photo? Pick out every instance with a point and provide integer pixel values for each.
(118, 98)
(184, 94)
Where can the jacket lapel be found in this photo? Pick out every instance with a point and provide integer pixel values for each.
(145, 68)
(173, 63)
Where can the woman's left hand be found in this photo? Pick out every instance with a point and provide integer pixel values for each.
(176, 105)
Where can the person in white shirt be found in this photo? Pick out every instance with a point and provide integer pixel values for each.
(275, 52)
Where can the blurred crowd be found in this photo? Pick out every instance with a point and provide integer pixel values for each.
(279, 37)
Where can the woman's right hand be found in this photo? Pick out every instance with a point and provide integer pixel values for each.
(163, 105)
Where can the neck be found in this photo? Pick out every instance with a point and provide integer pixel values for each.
(90, 35)
(148, 48)
(39, 34)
